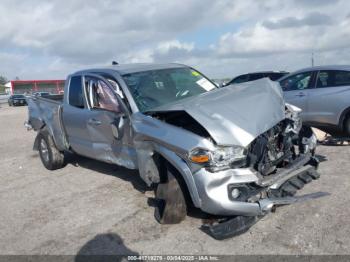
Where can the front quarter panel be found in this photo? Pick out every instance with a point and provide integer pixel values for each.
(179, 140)
(173, 143)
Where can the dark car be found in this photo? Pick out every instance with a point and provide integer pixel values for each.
(17, 100)
(273, 75)
(41, 94)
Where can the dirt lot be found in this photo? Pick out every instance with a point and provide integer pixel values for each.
(91, 207)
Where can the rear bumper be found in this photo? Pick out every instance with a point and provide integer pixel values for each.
(214, 188)
(19, 103)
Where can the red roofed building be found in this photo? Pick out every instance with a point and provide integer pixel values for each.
(32, 86)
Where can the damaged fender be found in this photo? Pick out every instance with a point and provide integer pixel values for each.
(149, 170)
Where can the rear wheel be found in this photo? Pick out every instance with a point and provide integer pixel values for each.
(50, 156)
(171, 205)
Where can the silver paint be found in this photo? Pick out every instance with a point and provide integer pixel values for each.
(232, 116)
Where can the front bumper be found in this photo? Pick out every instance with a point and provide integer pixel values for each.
(213, 188)
(237, 225)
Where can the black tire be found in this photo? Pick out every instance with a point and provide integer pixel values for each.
(50, 156)
(10, 104)
(347, 125)
(171, 207)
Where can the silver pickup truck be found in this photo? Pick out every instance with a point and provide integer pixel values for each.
(233, 153)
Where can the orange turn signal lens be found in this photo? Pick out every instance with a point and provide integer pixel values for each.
(200, 158)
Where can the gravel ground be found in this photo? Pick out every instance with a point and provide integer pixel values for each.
(90, 207)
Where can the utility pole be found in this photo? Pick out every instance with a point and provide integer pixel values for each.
(312, 59)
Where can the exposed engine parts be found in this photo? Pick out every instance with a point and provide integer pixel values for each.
(273, 149)
(280, 145)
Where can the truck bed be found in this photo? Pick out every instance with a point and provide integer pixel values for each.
(45, 113)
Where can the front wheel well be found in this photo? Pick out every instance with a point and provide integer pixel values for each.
(163, 165)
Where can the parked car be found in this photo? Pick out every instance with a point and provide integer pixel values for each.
(17, 100)
(323, 93)
(41, 94)
(196, 144)
(273, 75)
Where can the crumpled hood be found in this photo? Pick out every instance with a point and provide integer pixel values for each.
(235, 114)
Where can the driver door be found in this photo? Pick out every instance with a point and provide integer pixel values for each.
(106, 120)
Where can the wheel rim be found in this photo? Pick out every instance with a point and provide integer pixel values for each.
(44, 150)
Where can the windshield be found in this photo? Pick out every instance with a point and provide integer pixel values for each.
(151, 89)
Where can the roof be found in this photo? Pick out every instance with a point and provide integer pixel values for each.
(136, 67)
(35, 81)
(267, 72)
(325, 67)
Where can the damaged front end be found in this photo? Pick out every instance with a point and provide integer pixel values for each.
(244, 184)
(238, 161)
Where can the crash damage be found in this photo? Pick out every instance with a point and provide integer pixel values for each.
(235, 153)
(276, 152)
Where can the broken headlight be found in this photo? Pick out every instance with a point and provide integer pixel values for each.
(221, 158)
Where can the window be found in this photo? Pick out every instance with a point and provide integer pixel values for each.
(155, 88)
(331, 78)
(100, 96)
(296, 82)
(323, 79)
(253, 77)
(275, 76)
(75, 96)
(240, 79)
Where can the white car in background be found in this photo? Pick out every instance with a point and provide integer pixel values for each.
(323, 93)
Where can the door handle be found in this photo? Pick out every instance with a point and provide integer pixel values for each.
(300, 94)
(94, 121)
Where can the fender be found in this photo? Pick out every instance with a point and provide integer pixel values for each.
(36, 123)
(149, 171)
(36, 141)
(44, 129)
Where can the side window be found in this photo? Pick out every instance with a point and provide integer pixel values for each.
(75, 95)
(333, 78)
(342, 78)
(324, 79)
(296, 82)
(100, 95)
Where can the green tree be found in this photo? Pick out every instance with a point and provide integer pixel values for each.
(3, 80)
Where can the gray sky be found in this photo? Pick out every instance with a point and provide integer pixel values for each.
(49, 39)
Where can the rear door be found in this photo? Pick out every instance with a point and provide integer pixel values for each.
(296, 90)
(330, 97)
